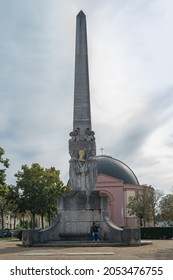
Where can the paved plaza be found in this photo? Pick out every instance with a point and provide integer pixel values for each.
(158, 250)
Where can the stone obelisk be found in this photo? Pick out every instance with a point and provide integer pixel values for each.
(82, 115)
(82, 147)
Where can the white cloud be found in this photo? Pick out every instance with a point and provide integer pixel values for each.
(130, 60)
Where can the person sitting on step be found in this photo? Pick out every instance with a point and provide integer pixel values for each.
(95, 232)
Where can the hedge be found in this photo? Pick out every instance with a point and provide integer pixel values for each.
(157, 233)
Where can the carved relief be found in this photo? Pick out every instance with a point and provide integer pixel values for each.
(83, 169)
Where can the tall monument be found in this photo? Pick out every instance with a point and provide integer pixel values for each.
(82, 146)
(83, 205)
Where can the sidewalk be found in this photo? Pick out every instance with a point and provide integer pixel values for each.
(158, 250)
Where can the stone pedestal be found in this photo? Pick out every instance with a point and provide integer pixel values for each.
(77, 211)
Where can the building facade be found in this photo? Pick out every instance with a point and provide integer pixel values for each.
(118, 182)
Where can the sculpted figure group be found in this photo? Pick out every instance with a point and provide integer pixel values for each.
(83, 168)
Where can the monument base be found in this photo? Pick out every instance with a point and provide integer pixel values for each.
(77, 212)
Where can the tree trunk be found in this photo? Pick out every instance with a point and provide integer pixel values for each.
(42, 220)
(33, 220)
(2, 219)
(49, 218)
(14, 225)
(141, 222)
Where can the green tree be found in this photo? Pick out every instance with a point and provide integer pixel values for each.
(142, 205)
(166, 207)
(4, 164)
(39, 189)
(158, 194)
(53, 188)
(15, 208)
(154, 201)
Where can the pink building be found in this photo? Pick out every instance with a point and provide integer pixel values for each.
(118, 182)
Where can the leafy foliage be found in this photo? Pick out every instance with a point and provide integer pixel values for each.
(4, 164)
(39, 188)
(166, 207)
(142, 205)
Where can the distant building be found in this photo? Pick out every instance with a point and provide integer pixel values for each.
(118, 182)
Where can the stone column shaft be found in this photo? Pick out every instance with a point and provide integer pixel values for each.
(82, 115)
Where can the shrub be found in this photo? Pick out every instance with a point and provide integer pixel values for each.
(157, 233)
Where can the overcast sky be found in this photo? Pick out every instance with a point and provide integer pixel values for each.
(130, 46)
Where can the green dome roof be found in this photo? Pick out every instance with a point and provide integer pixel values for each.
(116, 168)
